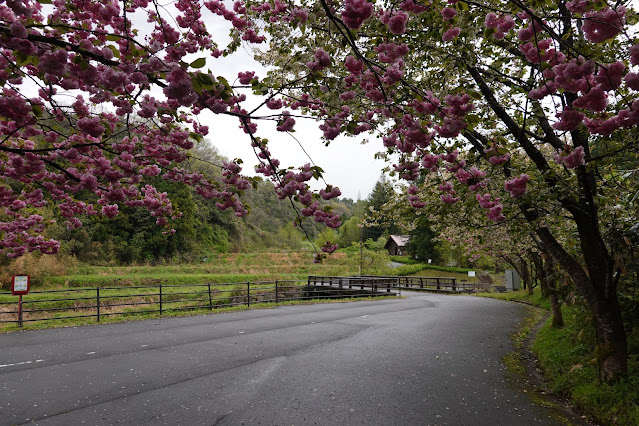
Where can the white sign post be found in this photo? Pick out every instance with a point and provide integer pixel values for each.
(20, 285)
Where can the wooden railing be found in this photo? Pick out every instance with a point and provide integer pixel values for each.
(370, 284)
(101, 302)
(443, 284)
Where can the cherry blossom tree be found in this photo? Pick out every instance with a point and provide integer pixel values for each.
(512, 105)
(99, 95)
(522, 108)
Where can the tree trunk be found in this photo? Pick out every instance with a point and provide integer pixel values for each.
(612, 345)
(594, 280)
(598, 288)
(555, 306)
(550, 276)
(540, 266)
(524, 273)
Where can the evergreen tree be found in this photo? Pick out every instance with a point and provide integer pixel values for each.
(421, 245)
(381, 194)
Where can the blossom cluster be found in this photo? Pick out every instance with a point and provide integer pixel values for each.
(115, 134)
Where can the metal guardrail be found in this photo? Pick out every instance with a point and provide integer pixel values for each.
(372, 284)
(99, 302)
(444, 284)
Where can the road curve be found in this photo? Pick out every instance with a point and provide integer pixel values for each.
(425, 359)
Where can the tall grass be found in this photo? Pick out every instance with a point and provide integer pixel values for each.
(38, 267)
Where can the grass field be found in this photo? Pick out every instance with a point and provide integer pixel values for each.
(223, 268)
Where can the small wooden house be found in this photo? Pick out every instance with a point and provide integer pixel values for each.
(396, 245)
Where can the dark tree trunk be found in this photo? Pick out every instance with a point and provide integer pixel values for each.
(612, 346)
(538, 261)
(550, 276)
(524, 273)
(599, 289)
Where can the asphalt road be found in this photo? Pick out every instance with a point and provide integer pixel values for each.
(427, 359)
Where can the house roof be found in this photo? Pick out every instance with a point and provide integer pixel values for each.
(400, 240)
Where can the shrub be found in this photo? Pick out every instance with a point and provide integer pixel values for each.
(38, 267)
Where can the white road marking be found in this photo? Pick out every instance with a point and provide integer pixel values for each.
(89, 353)
(20, 363)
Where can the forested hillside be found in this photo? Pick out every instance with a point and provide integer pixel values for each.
(132, 236)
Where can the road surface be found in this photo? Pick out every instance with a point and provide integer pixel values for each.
(426, 359)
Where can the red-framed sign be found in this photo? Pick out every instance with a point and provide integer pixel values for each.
(20, 284)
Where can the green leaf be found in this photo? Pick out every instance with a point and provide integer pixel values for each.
(115, 50)
(198, 63)
(37, 110)
(21, 58)
(196, 136)
(206, 81)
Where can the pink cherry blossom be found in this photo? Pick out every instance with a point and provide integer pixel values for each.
(572, 158)
(448, 13)
(569, 119)
(246, 77)
(495, 213)
(356, 12)
(451, 34)
(287, 124)
(397, 22)
(604, 24)
(517, 186)
(449, 199)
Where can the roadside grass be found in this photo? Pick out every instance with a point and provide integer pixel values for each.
(128, 314)
(461, 277)
(567, 358)
(158, 277)
(536, 299)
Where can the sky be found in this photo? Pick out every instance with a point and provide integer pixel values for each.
(347, 163)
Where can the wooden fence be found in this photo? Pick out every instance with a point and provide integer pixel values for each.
(101, 302)
(442, 284)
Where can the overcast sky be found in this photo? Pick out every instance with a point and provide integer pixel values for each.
(346, 162)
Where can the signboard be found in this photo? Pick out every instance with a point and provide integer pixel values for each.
(471, 273)
(20, 284)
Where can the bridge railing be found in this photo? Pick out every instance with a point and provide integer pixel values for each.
(443, 284)
(372, 284)
(101, 302)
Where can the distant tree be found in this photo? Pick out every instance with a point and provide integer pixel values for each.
(350, 232)
(421, 244)
(381, 194)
